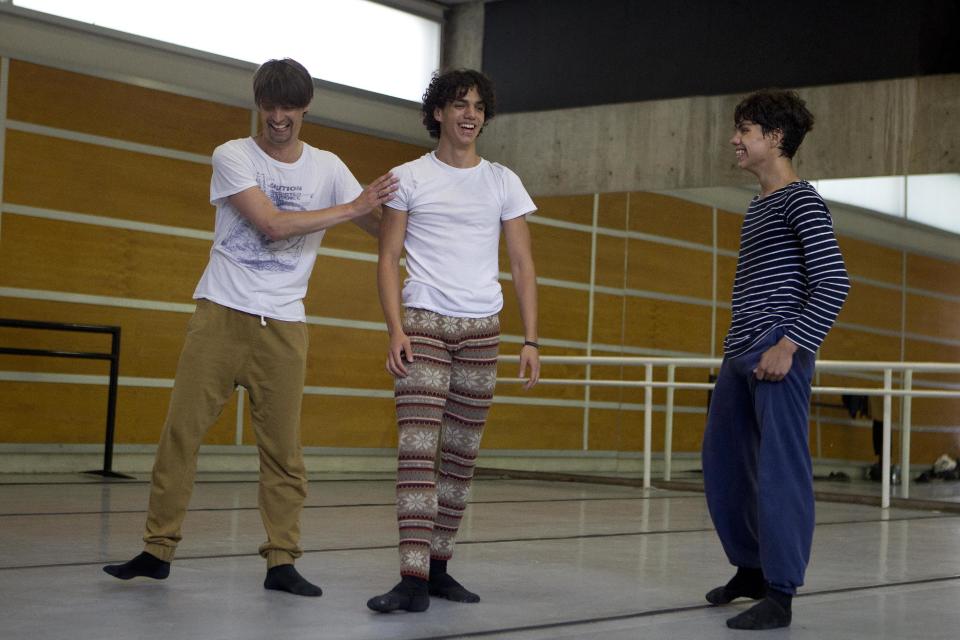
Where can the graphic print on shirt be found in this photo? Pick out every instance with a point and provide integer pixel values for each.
(251, 248)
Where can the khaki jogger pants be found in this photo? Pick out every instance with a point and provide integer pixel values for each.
(225, 348)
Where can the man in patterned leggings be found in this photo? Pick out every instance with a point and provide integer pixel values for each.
(447, 214)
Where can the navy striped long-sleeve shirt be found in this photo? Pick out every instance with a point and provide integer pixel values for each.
(790, 272)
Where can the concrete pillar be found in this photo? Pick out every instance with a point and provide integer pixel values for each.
(463, 36)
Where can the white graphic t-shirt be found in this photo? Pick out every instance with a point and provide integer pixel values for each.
(247, 271)
(453, 233)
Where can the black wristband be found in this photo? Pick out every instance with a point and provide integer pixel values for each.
(531, 343)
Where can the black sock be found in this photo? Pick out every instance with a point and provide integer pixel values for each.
(782, 598)
(443, 585)
(145, 565)
(748, 582)
(769, 613)
(285, 577)
(410, 594)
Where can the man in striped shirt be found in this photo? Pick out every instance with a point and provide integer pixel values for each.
(788, 289)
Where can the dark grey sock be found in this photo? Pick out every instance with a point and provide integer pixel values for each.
(144, 565)
(746, 583)
(410, 594)
(766, 614)
(442, 584)
(285, 577)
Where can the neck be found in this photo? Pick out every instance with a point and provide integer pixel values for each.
(461, 157)
(288, 152)
(776, 176)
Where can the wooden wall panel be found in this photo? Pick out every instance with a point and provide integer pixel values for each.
(350, 237)
(76, 414)
(557, 253)
(659, 324)
(150, 341)
(933, 274)
(726, 272)
(533, 427)
(344, 357)
(608, 313)
(682, 397)
(87, 104)
(872, 306)
(367, 157)
(933, 317)
(578, 209)
(611, 258)
(563, 313)
(924, 351)
(331, 421)
(612, 211)
(609, 394)
(936, 412)
(543, 391)
(624, 432)
(83, 178)
(671, 217)
(871, 261)
(926, 447)
(728, 229)
(658, 267)
(88, 259)
(846, 442)
(607, 430)
(342, 288)
(846, 344)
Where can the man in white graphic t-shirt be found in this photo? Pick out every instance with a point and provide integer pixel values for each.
(275, 196)
(444, 327)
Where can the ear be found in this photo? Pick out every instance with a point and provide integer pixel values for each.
(775, 137)
(437, 112)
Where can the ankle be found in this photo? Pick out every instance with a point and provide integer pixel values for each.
(782, 598)
(437, 567)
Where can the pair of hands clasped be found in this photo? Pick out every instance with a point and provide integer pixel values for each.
(401, 351)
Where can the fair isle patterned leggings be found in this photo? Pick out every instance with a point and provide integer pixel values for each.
(441, 406)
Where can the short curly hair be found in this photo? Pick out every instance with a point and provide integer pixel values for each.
(446, 87)
(777, 110)
(284, 83)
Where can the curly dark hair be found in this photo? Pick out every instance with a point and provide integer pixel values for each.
(777, 110)
(446, 87)
(284, 83)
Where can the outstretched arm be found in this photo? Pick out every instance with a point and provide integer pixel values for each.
(517, 234)
(253, 204)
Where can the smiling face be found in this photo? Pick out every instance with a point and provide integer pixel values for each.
(461, 119)
(280, 125)
(754, 149)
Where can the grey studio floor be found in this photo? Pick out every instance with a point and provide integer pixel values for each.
(549, 559)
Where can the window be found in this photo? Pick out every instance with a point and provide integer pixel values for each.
(358, 43)
(932, 199)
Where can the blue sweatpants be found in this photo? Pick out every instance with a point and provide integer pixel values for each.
(756, 466)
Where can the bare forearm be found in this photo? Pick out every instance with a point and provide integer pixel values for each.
(525, 283)
(388, 285)
(285, 224)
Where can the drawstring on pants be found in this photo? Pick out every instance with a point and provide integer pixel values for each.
(263, 321)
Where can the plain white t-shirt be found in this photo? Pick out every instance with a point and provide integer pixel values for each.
(247, 271)
(453, 233)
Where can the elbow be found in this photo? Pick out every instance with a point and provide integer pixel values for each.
(272, 230)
